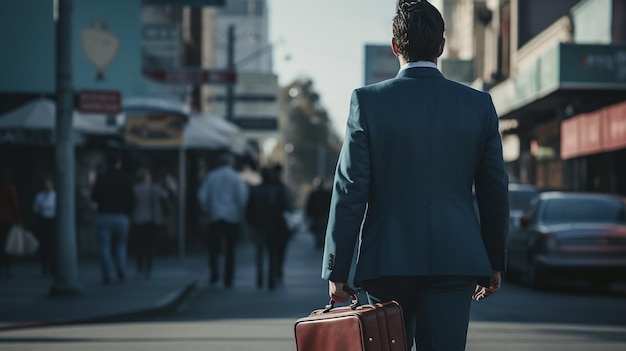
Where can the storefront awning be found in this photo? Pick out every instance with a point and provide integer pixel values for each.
(589, 76)
(40, 114)
(600, 131)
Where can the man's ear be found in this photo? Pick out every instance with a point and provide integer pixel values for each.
(441, 46)
(394, 46)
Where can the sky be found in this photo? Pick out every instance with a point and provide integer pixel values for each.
(325, 40)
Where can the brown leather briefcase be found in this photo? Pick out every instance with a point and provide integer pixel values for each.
(357, 327)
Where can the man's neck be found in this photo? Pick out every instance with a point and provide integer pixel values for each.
(403, 61)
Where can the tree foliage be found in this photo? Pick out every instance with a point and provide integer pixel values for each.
(307, 134)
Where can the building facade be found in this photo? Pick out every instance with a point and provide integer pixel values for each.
(556, 72)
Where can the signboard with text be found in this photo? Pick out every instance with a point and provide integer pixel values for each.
(161, 44)
(99, 101)
(154, 129)
(593, 65)
(566, 66)
(590, 133)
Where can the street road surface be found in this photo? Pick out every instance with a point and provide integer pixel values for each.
(568, 317)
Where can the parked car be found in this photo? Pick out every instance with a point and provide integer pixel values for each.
(565, 234)
(520, 196)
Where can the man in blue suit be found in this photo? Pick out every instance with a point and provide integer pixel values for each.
(414, 146)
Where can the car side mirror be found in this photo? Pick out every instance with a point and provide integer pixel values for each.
(524, 221)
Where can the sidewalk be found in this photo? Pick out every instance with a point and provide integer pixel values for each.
(24, 299)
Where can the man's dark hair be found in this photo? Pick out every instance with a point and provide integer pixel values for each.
(226, 159)
(418, 30)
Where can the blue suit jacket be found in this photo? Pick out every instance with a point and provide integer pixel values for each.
(414, 146)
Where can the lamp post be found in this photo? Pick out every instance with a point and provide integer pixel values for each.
(66, 276)
(230, 89)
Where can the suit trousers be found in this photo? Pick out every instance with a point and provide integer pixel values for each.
(436, 309)
(222, 236)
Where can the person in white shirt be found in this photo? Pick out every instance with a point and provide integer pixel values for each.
(223, 196)
(44, 208)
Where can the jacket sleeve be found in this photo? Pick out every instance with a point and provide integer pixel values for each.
(244, 192)
(350, 196)
(491, 182)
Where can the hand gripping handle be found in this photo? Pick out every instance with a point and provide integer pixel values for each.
(355, 299)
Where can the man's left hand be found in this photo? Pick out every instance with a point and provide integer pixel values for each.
(336, 291)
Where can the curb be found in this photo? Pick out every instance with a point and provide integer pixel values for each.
(166, 307)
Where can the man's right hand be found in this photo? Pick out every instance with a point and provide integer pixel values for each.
(337, 292)
(494, 286)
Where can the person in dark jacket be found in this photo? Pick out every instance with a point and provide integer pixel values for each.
(285, 231)
(114, 198)
(317, 208)
(264, 216)
(402, 194)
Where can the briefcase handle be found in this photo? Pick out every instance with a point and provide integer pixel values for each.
(355, 300)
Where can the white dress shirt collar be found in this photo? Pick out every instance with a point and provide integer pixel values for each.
(415, 64)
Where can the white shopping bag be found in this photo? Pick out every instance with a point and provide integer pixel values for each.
(21, 242)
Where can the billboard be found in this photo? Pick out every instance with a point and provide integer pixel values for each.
(106, 46)
(380, 63)
(155, 129)
(256, 104)
(107, 39)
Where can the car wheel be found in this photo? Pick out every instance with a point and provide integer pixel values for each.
(535, 278)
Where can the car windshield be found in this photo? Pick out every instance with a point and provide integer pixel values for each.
(583, 210)
(519, 199)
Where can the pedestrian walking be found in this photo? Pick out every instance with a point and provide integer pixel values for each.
(266, 204)
(414, 146)
(44, 208)
(10, 215)
(146, 218)
(114, 198)
(317, 207)
(223, 196)
(285, 230)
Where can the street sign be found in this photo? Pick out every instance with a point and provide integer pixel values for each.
(256, 102)
(192, 76)
(99, 101)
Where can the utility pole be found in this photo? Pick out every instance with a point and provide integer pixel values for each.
(230, 88)
(65, 277)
